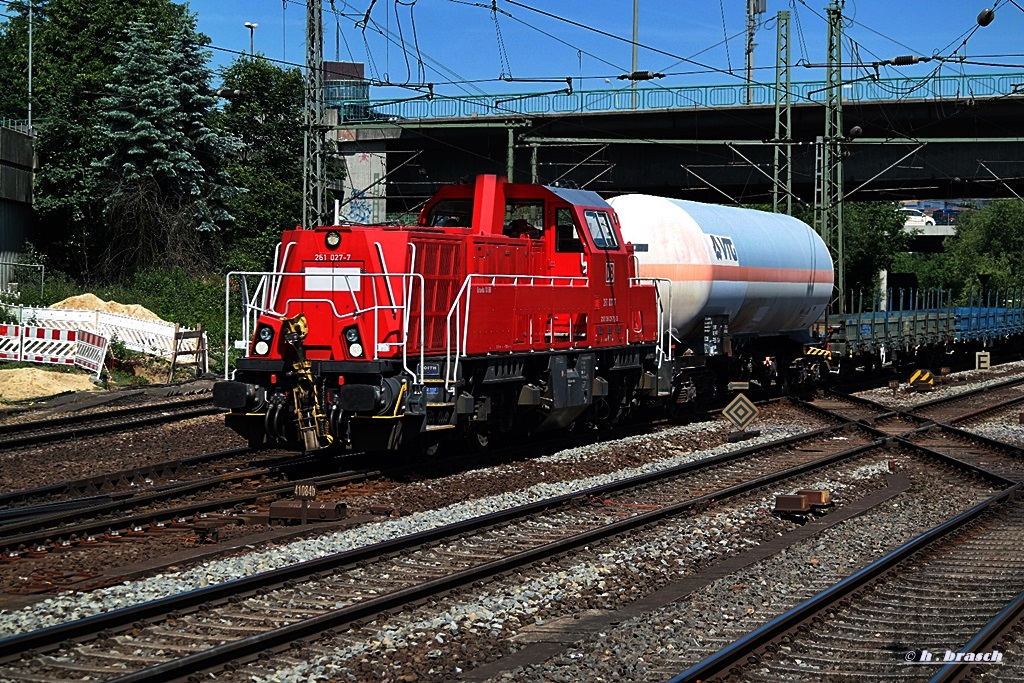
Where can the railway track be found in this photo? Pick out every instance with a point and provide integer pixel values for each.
(302, 601)
(79, 493)
(931, 424)
(61, 526)
(995, 397)
(953, 588)
(34, 433)
(222, 488)
(405, 569)
(1006, 460)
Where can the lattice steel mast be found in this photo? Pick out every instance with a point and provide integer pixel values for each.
(314, 181)
(783, 163)
(828, 195)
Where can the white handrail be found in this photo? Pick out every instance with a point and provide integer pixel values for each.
(462, 320)
(375, 308)
(277, 281)
(407, 283)
(664, 322)
(384, 270)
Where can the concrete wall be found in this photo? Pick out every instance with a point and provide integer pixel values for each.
(364, 153)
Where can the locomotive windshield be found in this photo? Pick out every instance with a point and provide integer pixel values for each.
(601, 230)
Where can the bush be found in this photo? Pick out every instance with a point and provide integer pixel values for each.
(174, 295)
(178, 297)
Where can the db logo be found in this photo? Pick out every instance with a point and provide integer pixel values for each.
(609, 272)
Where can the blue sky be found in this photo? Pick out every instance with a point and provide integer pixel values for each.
(459, 41)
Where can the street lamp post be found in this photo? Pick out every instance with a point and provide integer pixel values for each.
(252, 28)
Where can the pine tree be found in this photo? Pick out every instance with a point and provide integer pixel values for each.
(74, 55)
(161, 164)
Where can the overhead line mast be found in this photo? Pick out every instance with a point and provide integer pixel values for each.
(314, 181)
(828, 204)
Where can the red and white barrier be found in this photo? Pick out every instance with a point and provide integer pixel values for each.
(73, 337)
(53, 345)
(91, 351)
(48, 345)
(10, 342)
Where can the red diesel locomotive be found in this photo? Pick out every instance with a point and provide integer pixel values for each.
(508, 308)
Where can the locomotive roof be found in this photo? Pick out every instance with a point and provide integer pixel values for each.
(579, 197)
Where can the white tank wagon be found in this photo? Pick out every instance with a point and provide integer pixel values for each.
(769, 273)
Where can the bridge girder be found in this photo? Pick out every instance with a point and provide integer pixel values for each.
(969, 151)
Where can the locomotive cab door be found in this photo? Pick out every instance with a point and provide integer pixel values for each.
(609, 273)
(568, 255)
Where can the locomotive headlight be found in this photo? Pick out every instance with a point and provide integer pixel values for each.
(355, 350)
(261, 348)
(333, 239)
(351, 335)
(265, 334)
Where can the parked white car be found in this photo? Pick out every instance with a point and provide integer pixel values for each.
(914, 218)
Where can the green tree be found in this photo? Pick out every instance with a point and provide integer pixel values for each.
(160, 174)
(986, 251)
(264, 111)
(14, 62)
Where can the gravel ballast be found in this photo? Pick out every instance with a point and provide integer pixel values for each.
(71, 606)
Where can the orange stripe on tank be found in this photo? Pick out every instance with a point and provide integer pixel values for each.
(693, 272)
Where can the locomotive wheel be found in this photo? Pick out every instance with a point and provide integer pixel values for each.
(479, 440)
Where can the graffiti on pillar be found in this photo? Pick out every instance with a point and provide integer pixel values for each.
(359, 209)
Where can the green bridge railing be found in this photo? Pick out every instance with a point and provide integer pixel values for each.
(959, 86)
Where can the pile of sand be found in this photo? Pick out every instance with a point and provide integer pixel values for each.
(91, 302)
(24, 383)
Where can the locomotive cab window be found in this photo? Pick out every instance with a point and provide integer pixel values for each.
(451, 213)
(567, 236)
(600, 226)
(524, 219)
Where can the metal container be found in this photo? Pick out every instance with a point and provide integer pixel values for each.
(770, 273)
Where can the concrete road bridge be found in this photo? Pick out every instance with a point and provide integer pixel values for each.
(936, 137)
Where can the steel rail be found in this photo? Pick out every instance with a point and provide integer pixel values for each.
(986, 441)
(985, 411)
(97, 482)
(732, 656)
(884, 412)
(1006, 384)
(38, 530)
(949, 460)
(988, 635)
(99, 426)
(66, 420)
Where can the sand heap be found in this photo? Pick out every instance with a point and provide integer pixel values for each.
(91, 302)
(23, 383)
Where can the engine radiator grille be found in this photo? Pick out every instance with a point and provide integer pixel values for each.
(439, 261)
